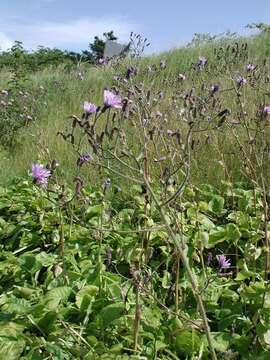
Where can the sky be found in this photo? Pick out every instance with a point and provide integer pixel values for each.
(167, 24)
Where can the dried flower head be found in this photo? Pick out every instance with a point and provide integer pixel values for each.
(240, 80)
(214, 88)
(250, 67)
(182, 77)
(83, 159)
(202, 61)
(162, 64)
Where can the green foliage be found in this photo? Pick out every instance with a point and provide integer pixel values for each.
(98, 46)
(84, 307)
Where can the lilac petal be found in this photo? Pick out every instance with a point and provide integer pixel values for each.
(112, 100)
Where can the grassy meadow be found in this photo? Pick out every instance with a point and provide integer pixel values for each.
(65, 93)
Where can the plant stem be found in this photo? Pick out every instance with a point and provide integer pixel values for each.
(180, 245)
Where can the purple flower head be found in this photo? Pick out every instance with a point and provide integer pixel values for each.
(266, 110)
(202, 61)
(83, 159)
(40, 174)
(112, 100)
(214, 88)
(241, 81)
(250, 67)
(182, 77)
(223, 263)
(89, 108)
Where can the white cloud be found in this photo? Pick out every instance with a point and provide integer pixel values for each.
(73, 34)
(5, 42)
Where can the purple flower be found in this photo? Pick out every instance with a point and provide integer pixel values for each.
(83, 159)
(202, 61)
(89, 108)
(40, 174)
(223, 263)
(250, 67)
(112, 100)
(266, 110)
(241, 81)
(214, 88)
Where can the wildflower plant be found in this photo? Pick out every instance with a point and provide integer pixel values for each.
(143, 260)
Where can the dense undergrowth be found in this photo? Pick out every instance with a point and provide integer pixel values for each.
(81, 304)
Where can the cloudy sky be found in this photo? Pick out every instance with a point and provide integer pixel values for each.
(72, 24)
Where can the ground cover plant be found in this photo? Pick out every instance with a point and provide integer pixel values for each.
(142, 228)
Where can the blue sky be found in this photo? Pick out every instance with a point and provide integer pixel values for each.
(72, 24)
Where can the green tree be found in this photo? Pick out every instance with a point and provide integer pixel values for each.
(98, 46)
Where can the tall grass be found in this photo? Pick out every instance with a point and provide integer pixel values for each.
(65, 94)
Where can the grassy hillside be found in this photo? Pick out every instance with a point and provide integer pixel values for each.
(64, 94)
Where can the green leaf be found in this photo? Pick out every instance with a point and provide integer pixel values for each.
(188, 342)
(94, 211)
(17, 306)
(216, 204)
(221, 341)
(11, 350)
(232, 233)
(46, 323)
(86, 293)
(110, 313)
(54, 296)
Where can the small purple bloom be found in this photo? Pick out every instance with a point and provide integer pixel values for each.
(40, 174)
(112, 100)
(89, 108)
(241, 81)
(214, 88)
(250, 67)
(202, 61)
(83, 159)
(223, 263)
(266, 110)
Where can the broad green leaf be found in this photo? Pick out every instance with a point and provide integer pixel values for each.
(221, 341)
(54, 296)
(216, 204)
(88, 291)
(187, 342)
(110, 313)
(46, 323)
(11, 349)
